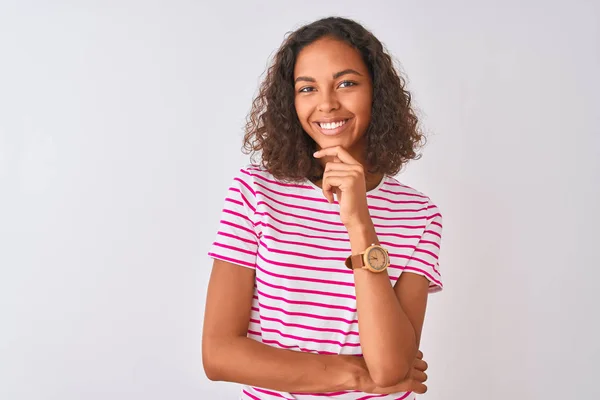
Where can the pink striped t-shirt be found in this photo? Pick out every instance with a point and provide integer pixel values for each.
(304, 297)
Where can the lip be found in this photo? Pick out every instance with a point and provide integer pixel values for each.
(332, 132)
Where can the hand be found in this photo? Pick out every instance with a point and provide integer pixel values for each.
(346, 177)
(413, 383)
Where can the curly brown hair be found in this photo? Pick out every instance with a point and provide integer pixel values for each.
(273, 129)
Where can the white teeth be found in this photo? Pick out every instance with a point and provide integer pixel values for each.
(328, 125)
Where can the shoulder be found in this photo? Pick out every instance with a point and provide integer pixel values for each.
(255, 175)
(260, 177)
(393, 188)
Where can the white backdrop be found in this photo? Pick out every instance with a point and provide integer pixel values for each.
(120, 131)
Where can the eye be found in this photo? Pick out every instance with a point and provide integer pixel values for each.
(306, 89)
(344, 84)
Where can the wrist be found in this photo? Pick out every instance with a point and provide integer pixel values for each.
(361, 237)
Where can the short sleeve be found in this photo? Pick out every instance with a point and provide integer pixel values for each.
(425, 259)
(237, 238)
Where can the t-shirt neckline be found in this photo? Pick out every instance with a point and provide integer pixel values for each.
(372, 191)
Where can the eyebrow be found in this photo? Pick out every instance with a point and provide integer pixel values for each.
(335, 76)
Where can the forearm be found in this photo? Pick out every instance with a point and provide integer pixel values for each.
(387, 337)
(246, 361)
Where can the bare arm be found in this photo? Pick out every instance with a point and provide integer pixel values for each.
(228, 355)
(389, 322)
(390, 319)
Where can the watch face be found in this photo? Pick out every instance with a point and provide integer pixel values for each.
(377, 258)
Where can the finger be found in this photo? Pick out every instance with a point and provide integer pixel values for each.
(419, 376)
(419, 388)
(420, 365)
(342, 182)
(337, 151)
(420, 354)
(332, 183)
(339, 174)
(337, 166)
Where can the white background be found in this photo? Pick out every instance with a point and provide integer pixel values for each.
(120, 130)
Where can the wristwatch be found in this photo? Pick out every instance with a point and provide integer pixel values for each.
(375, 259)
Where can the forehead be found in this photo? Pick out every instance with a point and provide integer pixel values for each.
(327, 56)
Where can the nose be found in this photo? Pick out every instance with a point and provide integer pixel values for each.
(328, 102)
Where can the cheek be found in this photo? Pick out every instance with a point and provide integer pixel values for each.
(362, 105)
(303, 111)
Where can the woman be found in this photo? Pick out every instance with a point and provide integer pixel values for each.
(323, 261)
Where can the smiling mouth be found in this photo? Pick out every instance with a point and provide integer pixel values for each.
(332, 128)
(332, 125)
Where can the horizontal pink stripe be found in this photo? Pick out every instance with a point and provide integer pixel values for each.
(411, 258)
(305, 339)
(278, 183)
(271, 393)
(307, 315)
(311, 328)
(296, 216)
(245, 184)
(317, 292)
(430, 242)
(395, 210)
(393, 182)
(283, 346)
(336, 213)
(423, 272)
(340, 259)
(306, 303)
(252, 242)
(343, 270)
(239, 203)
(256, 321)
(254, 332)
(373, 217)
(397, 201)
(374, 396)
(433, 216)
(314, 246)
(247, 203)
(333, 223)
(313, 257)
(371, 396)
(224, 222)
(327, 212)
(310, 228)
(231, 260)
(237, 214)
(294, 196)
(432, 233)
(226, 246)
(404, 193)
(329, 238)
(267, 225)
(303, 279)
(343, 250)
(327, 394)
(430, 253)
(245, 200)
(318, 210)
(253, 397)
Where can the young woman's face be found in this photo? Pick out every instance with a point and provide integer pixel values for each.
(334, 94)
